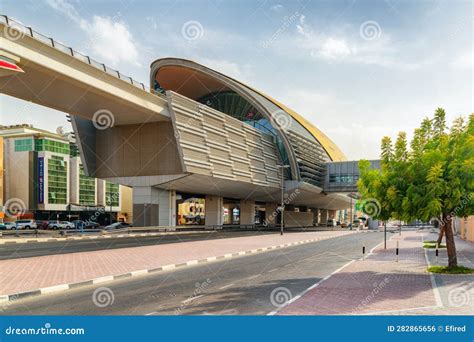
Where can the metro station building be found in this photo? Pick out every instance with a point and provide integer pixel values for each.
(196, 146)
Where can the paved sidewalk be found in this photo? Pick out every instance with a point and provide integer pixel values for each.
(53, 272)
(456, 291)
(378, 284)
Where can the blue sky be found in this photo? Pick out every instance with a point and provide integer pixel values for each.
(358, 70)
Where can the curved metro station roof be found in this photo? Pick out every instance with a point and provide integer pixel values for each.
(201, 83)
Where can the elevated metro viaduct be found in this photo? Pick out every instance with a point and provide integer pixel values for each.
(193, 131)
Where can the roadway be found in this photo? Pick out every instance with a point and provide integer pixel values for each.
(34, 249)
(238, 286)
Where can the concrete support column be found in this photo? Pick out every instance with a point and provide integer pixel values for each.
(153, 207)
(247, 212)
(214, 210)
(271, 212)
(324, 216)
(316, 216)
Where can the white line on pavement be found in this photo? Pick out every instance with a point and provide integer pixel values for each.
(253, 277)
(191, 299)
(225, 286)
(437, 296)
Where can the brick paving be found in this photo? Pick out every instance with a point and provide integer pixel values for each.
(377, 284)
(28, 274)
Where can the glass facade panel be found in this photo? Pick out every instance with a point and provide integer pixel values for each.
(86, 188)
(22, 145)
(344, 178)
(52, 146)
(112, 194)
(57, 180)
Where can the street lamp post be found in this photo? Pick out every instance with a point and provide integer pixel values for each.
(282, 208)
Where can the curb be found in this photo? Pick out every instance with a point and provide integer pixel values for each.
(62, 287)
(96, 237)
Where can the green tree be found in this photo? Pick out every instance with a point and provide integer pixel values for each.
(432, 180)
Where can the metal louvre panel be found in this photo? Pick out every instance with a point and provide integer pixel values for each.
(311, 158)
(214, 143)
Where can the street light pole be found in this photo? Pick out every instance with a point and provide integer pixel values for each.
(282, 208)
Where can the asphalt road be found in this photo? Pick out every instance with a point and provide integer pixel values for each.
(33, 249)
(238, 286)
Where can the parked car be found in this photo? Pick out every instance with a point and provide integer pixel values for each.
(42, 224)
(118, 225)
(60, 225)
(330, 223)
(25, 224)
(91, 224)
(81, 224)
(343, 225)
(7, 225)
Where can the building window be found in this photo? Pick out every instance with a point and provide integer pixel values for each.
(344, 178)
(57, 180)
(112, 194)
(22, 145)
(52, 146)
(86, 188)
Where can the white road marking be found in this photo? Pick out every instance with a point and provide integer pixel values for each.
(436, 294)
(191, 299)
(225, 286)
(253, 277)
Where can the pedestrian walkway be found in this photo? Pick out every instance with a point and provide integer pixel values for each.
(456, 291)
(54, 272)
(382, 285)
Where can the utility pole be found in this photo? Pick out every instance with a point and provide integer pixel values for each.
(282, 208)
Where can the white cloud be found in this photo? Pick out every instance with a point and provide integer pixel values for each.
(347, 48)
(109, 38)
(112, 41)
(335, 49)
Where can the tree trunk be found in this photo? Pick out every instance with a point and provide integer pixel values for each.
(442, 228)
(450, 244)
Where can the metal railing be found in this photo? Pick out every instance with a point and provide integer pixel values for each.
(25, 30)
